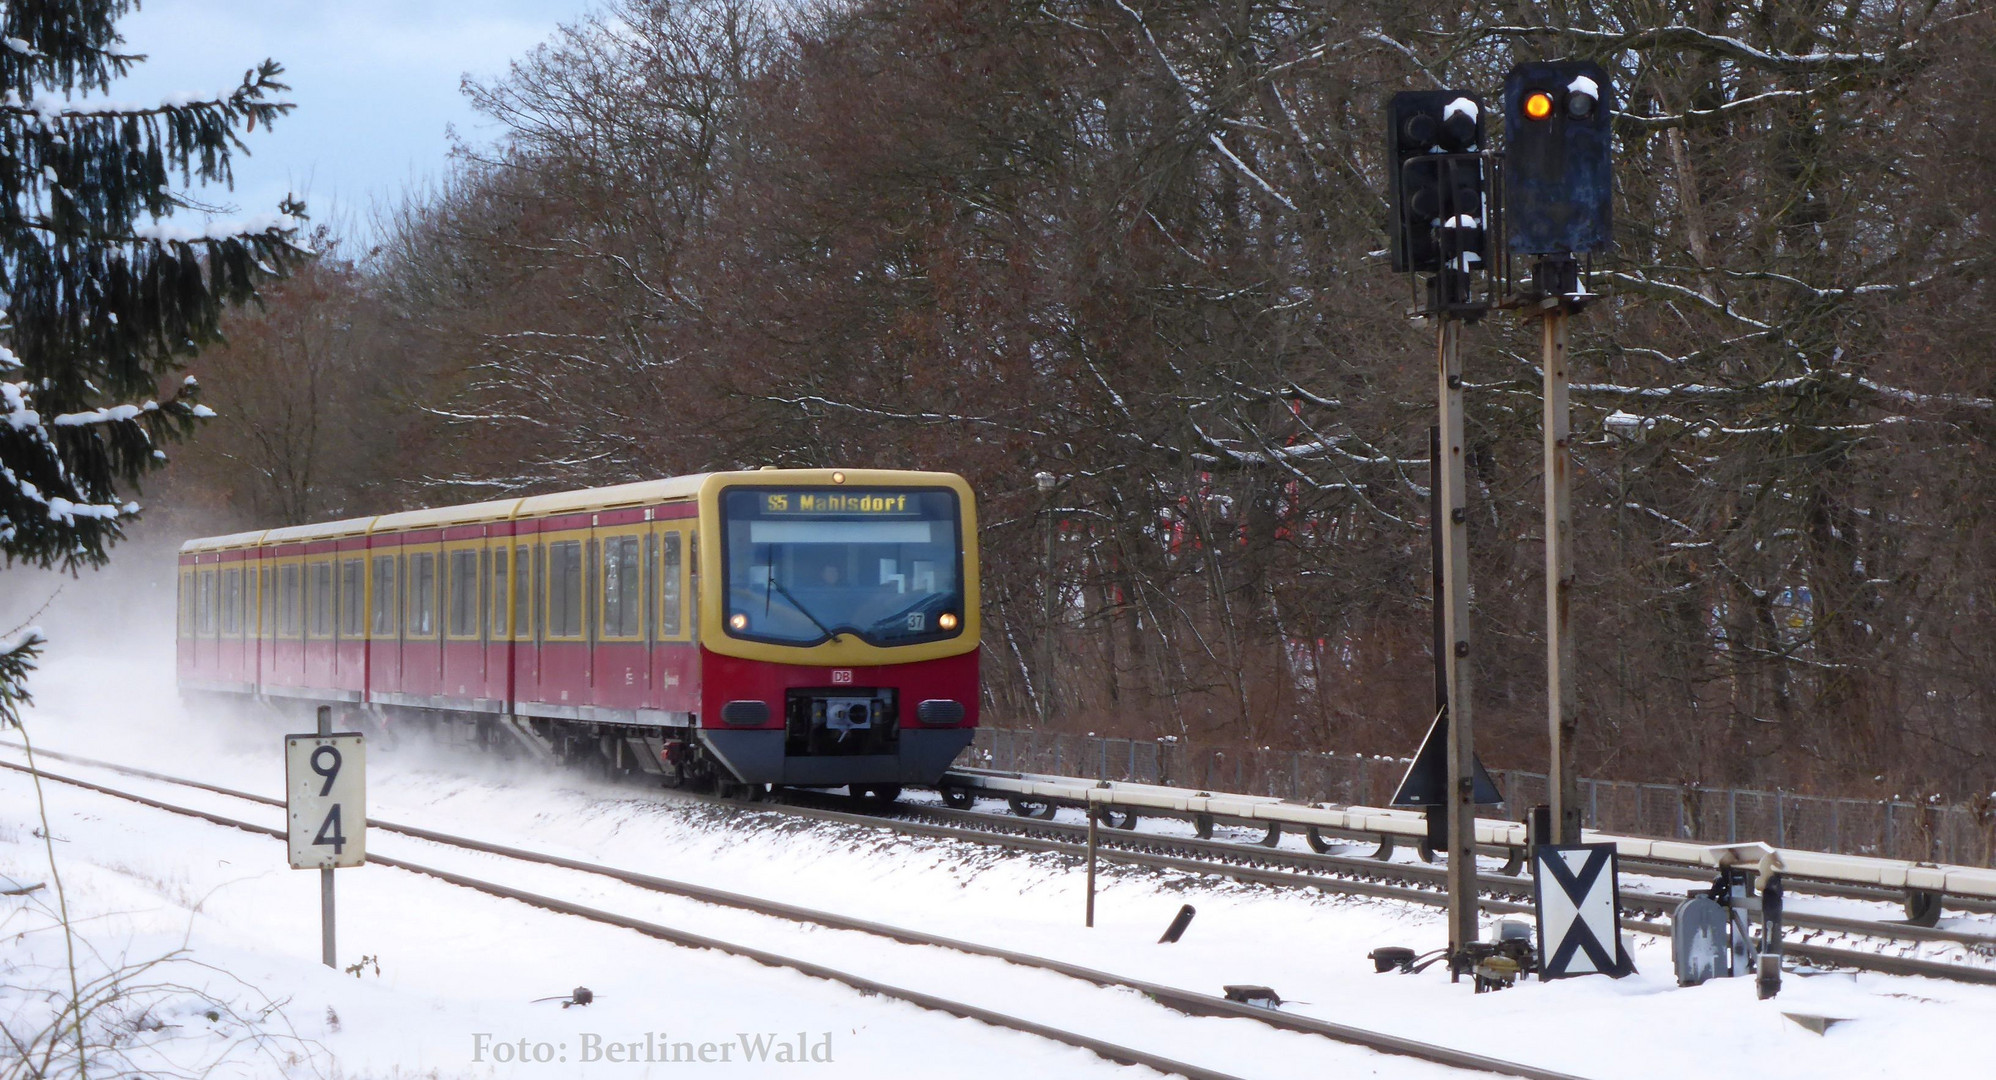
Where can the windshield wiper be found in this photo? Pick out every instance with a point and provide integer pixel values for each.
(794, 602)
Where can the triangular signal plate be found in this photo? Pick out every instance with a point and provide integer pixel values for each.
(1426, 782)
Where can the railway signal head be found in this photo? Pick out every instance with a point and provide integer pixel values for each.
(1557, 185)
(1436, 181)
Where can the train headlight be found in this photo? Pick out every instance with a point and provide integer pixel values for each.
(738, 621)
(947, 620)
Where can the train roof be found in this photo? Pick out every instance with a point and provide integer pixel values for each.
(640, 493)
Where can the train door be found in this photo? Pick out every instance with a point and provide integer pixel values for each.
(462, 681)
(565, 630)
(422, 570)
(288, 661)
(527, 558)
(350, 652)
(384, 618)
(232, 668)
(266, 618)
(675, 661)
(621, 670)
(320, 619)
(184, 637)
(496, 562)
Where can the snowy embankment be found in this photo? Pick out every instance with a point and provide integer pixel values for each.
(444, 966)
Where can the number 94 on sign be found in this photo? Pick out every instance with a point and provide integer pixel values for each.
(325, 804)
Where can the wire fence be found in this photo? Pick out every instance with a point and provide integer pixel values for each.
(1889, 828)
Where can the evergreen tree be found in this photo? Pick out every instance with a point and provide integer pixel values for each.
(105, 297)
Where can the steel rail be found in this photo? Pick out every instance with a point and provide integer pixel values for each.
(1239, 862)
(1496, 884)
(1185, 1001)
(1121, 1055)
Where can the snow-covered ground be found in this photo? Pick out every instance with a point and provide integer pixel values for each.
(445, 977)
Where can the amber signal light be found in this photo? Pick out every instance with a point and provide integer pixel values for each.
(1538, 105)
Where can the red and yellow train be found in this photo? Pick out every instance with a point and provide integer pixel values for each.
(810, 628)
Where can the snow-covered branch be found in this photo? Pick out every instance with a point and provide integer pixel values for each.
(1732, 48)
(1250, 173)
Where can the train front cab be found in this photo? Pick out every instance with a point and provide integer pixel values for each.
(839, 643)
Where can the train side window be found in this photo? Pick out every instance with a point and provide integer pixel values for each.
(204, 609)
(523, 592)
(289, 602)
(500, 608)
(540, 592)
(187, 603)
(384, 596)
(565, 589)
(623, 595)
(693, 587)
(463, 591)
(321, 611)
(592, 610)
(266, 591)
(232, 602)
(669, 588)
(353, 623)
(421, 619)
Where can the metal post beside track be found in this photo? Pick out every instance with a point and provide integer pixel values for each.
(1563, 718)
(1091, 867)
(1455, 597)
(326, 872)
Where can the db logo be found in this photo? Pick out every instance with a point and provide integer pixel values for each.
(841, 677)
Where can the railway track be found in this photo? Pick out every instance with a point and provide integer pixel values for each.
(1821, 940)
(1174, 998)
(1503, 893)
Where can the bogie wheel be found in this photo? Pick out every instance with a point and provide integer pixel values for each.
(957, 798)
(1202, 826)
(1274, 836)
(878, 795)
(1317, 842)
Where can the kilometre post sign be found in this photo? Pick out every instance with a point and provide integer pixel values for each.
(324, 799)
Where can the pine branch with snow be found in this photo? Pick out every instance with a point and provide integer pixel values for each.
(17, 658)
(106, 295)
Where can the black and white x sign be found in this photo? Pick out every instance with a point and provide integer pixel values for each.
(1576, 890)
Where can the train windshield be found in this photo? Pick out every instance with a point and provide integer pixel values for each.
(804, 565)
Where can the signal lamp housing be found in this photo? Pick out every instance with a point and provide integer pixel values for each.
(1436, 184)
(1558, 189)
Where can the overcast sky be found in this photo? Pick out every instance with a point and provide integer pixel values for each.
(375, 81)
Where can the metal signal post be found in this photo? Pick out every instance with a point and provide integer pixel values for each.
(1440, 227)
(1454, 601)
(1559, 201)
(1563, 716)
